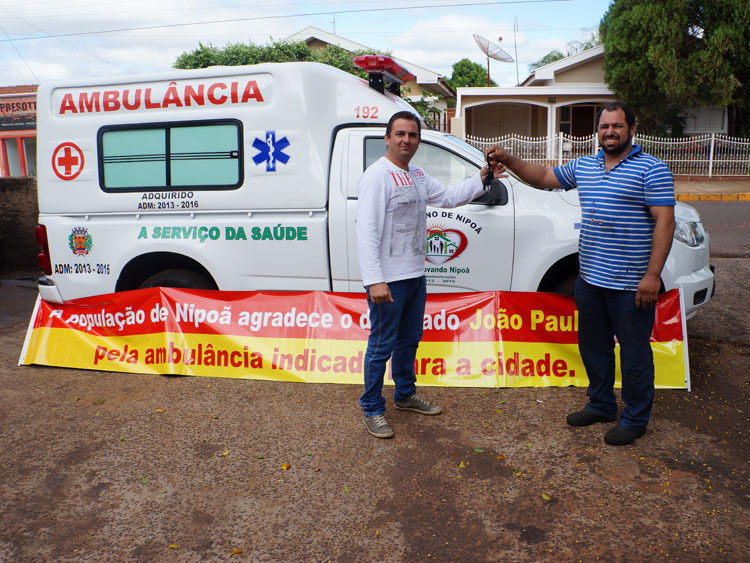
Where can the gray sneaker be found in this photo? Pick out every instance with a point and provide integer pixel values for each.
(418, 404)
(378, 426)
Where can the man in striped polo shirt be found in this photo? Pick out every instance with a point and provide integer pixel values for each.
(627, 225)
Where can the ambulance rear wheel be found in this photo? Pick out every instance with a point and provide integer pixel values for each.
(185, 279)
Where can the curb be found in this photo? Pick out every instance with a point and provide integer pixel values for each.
(742, 196)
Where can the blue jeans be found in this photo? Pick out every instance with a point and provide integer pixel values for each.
(396, 331)
(602, 315)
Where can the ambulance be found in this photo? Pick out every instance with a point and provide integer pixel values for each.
(245, 178)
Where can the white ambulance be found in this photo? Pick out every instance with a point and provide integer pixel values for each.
(244, 178)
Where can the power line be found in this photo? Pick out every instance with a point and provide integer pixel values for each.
(30, 6)
(19, 54)
(258, 18)
(68, 43)
(347, 33)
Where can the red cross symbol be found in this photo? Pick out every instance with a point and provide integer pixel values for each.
(67, 161)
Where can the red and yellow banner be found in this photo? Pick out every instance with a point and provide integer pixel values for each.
(488, 339)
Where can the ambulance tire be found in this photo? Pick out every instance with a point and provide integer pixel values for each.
(185, 279)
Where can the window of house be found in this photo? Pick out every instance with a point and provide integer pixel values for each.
(705, 120)
(565, 120)
(14, 158)
(29, 150)
(198, 155)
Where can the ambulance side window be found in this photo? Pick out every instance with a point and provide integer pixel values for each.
(198, 155)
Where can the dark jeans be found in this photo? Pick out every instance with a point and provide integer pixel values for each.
(396, 330)
(602, 315)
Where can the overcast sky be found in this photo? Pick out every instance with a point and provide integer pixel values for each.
(42, 40)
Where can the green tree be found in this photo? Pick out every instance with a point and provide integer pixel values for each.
(572, 48)
(553, 56)
(244, 54)
(467, 73)
(281, 51)
(276, 52)
(668, 56)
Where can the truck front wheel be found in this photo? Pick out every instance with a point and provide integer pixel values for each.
(566, 286)
(186, 279)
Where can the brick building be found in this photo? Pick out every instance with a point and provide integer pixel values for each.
(18, 130)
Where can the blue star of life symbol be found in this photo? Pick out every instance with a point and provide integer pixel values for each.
(271, 151)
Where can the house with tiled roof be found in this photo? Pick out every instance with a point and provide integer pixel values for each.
(428, 81)
(561, 97)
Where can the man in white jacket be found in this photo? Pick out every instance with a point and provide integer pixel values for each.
(391, 242)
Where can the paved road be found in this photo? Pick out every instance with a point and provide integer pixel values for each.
(728, 225)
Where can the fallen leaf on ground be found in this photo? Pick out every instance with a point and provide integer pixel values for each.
(545, 496)
(236, 552)
(286, 466)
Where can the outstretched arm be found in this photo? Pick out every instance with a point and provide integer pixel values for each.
(533, 174)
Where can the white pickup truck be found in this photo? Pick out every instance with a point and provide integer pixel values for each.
(244, 178)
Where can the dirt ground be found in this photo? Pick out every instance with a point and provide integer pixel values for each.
(112, 467)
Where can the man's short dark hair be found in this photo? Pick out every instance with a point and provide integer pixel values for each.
(403, 115)
(614, 106)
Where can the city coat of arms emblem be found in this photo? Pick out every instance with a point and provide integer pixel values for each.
(80, 241)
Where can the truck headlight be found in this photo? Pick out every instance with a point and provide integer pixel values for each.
(690, 233)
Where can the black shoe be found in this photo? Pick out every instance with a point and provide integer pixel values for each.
(586, 417)
(620, 436)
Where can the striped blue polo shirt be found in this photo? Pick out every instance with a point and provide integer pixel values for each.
(616, 226)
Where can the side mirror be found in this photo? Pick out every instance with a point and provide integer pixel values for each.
(496, 195)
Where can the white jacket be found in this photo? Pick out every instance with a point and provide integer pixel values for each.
(392, 222)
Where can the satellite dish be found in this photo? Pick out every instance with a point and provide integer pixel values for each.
(493, 51)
